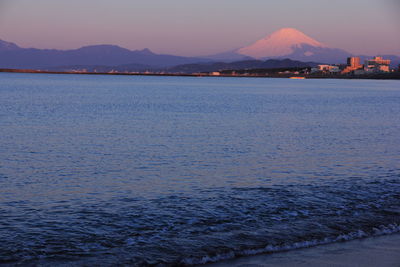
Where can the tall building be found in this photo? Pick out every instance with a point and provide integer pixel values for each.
(377, 64)
(353, 63)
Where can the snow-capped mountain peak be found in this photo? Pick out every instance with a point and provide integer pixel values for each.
(280, 43)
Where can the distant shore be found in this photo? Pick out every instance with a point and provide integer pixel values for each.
(375, 76)
(383, 251)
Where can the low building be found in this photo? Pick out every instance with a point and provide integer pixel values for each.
(334, 69)
(314, 70)
(377, 64)
(328, 69)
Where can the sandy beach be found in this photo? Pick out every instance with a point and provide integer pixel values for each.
(382, 251)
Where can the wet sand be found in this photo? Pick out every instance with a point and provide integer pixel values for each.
(383, 251)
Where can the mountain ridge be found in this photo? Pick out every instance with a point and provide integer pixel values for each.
(13, 56)
(240, 65)
(6, 46)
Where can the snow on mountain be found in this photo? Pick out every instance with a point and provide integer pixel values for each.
(280, 43)
(293, 44)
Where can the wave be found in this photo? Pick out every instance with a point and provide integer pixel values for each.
(359, 234)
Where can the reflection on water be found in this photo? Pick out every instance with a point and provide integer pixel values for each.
(147, 170)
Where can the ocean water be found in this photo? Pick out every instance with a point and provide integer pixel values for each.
(137, 170)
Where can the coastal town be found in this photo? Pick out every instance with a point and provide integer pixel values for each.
(375, 68)
(354, 66)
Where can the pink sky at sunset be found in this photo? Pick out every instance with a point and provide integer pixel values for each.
(199, 27)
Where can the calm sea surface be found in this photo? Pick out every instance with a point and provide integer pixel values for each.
(172, 170)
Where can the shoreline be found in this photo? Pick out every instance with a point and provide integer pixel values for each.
(378, 76)
(383, 251)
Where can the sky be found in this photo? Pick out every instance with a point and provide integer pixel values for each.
(195, 28)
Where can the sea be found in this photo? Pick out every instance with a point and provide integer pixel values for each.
(105, 170)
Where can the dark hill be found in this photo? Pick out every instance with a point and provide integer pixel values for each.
(12, 56)
(241, 65)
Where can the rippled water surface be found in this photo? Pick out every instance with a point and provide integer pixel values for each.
(148, 170)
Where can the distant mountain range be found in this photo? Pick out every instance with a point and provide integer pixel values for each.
(13, 56)
(286, 43)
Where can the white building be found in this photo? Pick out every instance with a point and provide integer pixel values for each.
(328, 69)
(377, 64)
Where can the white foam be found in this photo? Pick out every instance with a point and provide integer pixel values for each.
(381, 230)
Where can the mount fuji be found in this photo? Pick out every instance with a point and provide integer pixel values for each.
(288, 43)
